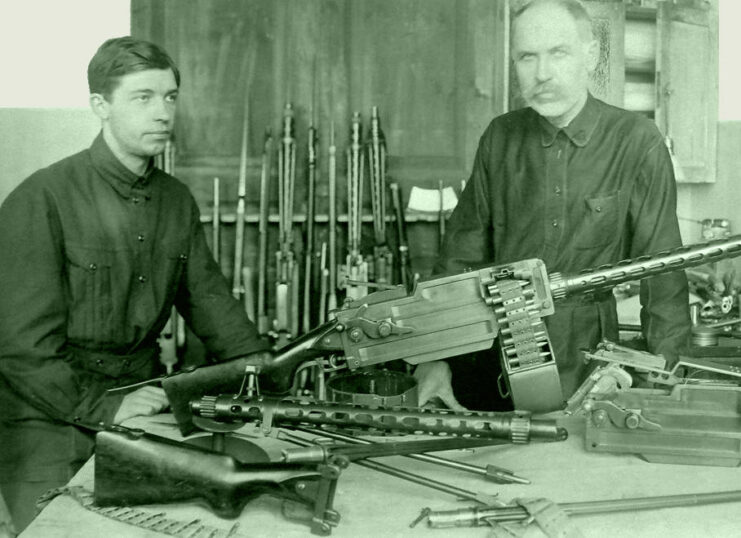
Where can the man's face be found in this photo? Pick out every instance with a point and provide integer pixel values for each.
(553, 61)
(139, 115)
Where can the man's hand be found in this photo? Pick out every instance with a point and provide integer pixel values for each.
(145, 401)
(434, 380)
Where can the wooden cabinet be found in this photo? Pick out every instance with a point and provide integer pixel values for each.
(671, 75)
(433, 67)
(687, 84)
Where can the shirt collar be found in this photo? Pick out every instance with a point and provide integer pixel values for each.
(581, 128)
(114, 172)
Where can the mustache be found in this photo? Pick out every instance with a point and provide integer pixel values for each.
(544, 88)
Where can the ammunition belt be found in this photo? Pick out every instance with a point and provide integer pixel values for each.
(523, 337)
(153, 521)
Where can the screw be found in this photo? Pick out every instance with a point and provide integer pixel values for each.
(632, 421)
(599, 418)
(384, 328)
(356, 334)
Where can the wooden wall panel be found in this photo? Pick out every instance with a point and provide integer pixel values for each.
(433, 67)
(687, 82)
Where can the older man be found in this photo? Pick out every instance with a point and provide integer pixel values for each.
(572, 181)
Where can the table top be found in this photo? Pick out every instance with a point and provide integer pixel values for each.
(375, 504)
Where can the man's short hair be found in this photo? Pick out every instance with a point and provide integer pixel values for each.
(573, 7)
(123, 55)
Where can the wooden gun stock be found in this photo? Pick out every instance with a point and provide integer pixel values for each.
(133, 468)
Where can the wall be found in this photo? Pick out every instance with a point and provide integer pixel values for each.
(32, 138)
(45, 46)
(41, 122)
(722, 198)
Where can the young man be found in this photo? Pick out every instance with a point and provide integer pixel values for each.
(94, 252)
(574, 182)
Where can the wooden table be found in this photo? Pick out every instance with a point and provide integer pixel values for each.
(373, 504)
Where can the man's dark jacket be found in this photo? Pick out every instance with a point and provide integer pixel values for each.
(596, 192)
(92, 259)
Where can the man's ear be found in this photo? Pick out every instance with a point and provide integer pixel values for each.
(99, 105)
(592, 55)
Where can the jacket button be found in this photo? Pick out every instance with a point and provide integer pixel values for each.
(142, 279)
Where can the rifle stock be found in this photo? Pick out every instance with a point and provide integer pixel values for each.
(133, 467)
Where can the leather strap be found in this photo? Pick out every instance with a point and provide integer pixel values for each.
(553, 521)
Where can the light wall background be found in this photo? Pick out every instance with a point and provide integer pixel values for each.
(45, 46)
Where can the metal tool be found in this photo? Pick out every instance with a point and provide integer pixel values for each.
(490, 472)
(459, 493)
(468, 517)
(323, 453)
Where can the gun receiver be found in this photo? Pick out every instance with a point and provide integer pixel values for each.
(453, 315)
(133, 467)
(695, 422)
(516, 427)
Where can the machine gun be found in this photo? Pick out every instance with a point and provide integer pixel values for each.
(516, 427)
(445, 317)
(133, 467)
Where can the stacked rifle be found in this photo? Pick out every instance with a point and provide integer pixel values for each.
(309, 283)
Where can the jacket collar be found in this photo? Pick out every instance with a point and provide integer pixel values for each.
(114, 172)
(581, 128)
